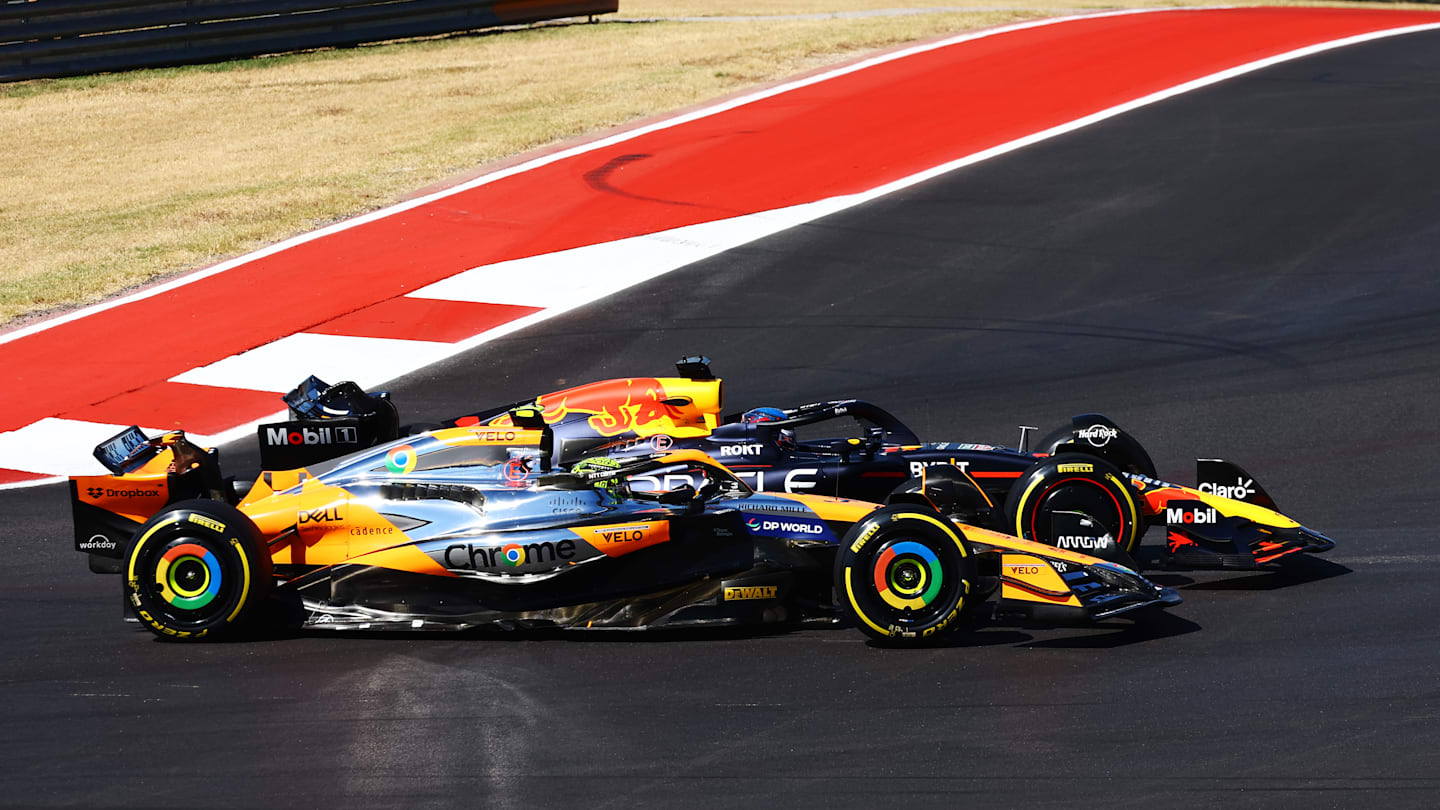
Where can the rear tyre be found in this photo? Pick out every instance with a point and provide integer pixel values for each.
(197, 570)
(905, 575)
(1074, 482)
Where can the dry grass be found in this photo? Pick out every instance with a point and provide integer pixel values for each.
(708, 8)
(112, 181)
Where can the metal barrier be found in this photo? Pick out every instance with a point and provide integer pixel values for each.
(45, 38)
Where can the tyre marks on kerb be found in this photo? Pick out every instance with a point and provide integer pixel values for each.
(600, 180)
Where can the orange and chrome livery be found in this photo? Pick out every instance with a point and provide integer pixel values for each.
(470, 525)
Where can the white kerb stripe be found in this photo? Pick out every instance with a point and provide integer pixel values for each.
(570, 278)
(55, 446)
(279, 366)
(554, 157)
(369, 361)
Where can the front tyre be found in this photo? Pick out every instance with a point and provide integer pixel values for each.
(197, 570)
(904, 575)
(1074, 482)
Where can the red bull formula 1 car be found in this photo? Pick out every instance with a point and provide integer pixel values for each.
(473, 525)
(1087, 487)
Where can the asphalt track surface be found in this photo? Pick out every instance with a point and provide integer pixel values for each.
(1245, 272)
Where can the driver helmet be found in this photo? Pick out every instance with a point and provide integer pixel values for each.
(763, 415)
(785, 437)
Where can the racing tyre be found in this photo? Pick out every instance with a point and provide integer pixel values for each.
(904, 575)
(197, 570)
(1074, 482)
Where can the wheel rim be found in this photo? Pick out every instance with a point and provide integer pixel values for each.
(905, 576)
(185, 581)
(189, 576)
(908, 575)
(1079, 495)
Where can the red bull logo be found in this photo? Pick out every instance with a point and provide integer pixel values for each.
(624, 406)
(1176, 540)
(636, 405)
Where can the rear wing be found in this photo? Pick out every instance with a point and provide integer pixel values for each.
(146, 475)
(126, 451)
(326, 421)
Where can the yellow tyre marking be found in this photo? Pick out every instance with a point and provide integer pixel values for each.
(1020, 510)
(1134, 522)
(850, 592)
(244, 581)
(864, 538)
(209, 523)
(133, 554)
(1129, 501)
(941, 526)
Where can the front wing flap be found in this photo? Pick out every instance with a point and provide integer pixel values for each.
(1042, 582)
(1199, 535)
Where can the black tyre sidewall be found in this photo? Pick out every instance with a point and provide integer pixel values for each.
(1039, 480)
(243, 561)
(854, 574)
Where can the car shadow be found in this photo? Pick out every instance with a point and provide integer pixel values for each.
(1169, 579)
(974, 636)
(1298, 570)
(1145, 626)
(985, 631)
(1295, 572)
(1150, 626)
(1119, 632)
(649, 635)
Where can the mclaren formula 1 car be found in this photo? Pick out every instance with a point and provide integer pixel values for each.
(472, 525)
(1091, 468)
